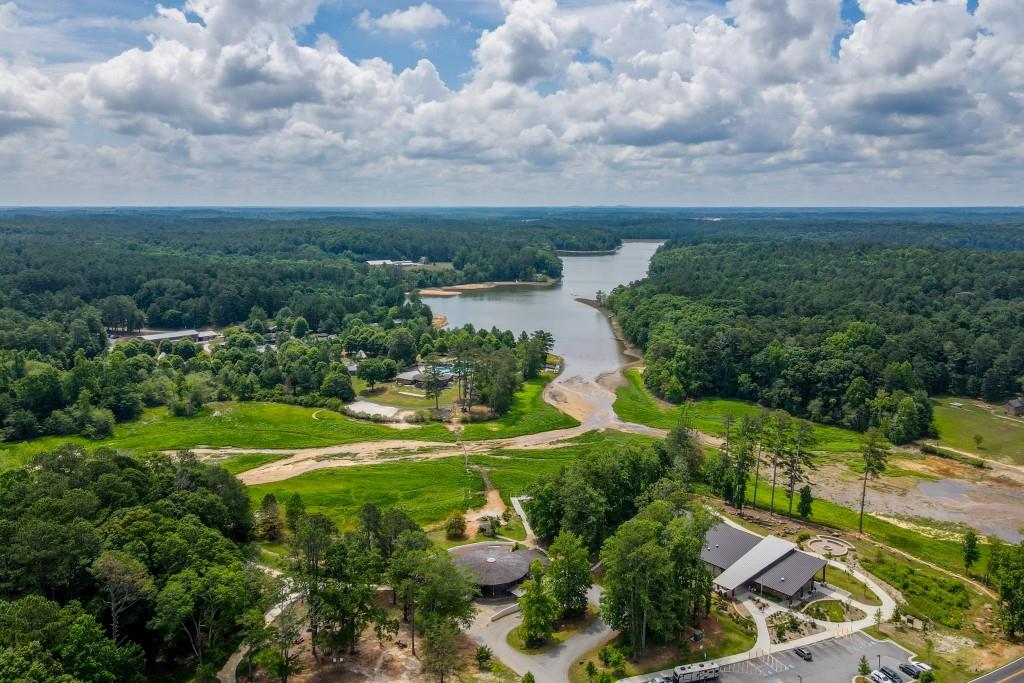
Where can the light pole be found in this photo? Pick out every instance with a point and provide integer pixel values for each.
(879, 661)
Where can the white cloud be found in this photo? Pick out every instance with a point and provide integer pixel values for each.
(415, 19)
(637, 102)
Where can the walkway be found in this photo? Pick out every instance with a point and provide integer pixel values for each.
(227, 672)
(551, 665)
(763, 645)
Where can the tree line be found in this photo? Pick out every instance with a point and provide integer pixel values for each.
(40, 397)
(855, 335)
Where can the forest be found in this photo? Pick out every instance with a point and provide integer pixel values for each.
(138, 568)
(63, 276)
(850, 334)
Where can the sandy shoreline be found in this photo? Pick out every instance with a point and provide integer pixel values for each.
(455, 290)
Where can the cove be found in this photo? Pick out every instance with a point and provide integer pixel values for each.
(583, 336)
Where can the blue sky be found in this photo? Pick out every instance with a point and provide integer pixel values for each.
(399, 102)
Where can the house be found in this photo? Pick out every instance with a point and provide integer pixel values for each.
(740, 561)
(1014, 408)
(173, 336)
(410, 378)
(207, 335)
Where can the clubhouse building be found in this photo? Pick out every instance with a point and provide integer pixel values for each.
(741, 561)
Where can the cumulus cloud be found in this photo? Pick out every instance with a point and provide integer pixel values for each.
(637, 101)
(415, 19)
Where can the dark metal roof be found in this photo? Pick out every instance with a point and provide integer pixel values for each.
(497, 565)
(725, 544)
(790, 574)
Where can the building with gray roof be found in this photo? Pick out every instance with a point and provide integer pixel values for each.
(497, 568)
(740, 560)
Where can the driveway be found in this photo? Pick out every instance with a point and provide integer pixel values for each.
(550, 666)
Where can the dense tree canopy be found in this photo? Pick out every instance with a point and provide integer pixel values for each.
(841, 333)
(151, 546)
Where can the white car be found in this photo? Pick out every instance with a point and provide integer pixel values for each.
(879, 677)
(921, 666)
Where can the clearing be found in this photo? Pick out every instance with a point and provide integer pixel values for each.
(1002, 437)
(634, 403)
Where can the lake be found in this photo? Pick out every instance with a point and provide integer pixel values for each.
(583, 336)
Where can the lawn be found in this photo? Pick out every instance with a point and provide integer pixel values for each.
(428, 490)
(278, 425)
(242, 425)
(530, 414)
(852, 585)
(635, 403)
(564, 629)
(1002, 437)
(403, 396)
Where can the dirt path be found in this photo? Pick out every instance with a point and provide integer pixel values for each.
(493, 506)
(994, 464)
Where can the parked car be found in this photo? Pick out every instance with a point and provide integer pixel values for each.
(660, 679)
(804, 654)
(910, 670)
(921, 666)
(892, 675)
(879, 677)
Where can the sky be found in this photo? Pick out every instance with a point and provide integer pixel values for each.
(512, 102)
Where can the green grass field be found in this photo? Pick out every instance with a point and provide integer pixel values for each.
(530, 414)
(392, 394)
(277, 425)
(852, 585)
(635, 403)
(236, 464)
(242, 425)
(428, 490)
(1002, 437)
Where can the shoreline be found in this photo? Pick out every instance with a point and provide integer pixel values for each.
(613, 379)
(456, 290)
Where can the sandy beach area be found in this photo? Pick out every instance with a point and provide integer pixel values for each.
(455, 290)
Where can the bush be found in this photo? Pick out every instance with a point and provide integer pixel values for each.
(60, 423)
(97, 423)
(483, 655)
(455, 528)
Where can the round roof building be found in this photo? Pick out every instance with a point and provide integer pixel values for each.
(496, 567)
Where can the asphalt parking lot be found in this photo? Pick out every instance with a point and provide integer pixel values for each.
(834, 660)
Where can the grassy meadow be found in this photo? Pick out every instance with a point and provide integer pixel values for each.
(236, 464)
(428, 490)
(277, 425)
(530, 414)
(241, 425)
(635, 403)
(1002, 436)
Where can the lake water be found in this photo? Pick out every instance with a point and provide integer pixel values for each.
(583, 336)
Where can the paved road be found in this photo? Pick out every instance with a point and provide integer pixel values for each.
(1011, 673)
(550, 666)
